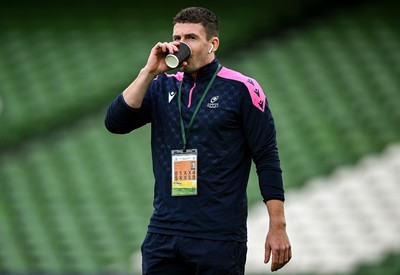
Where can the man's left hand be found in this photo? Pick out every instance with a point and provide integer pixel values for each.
(277, 243)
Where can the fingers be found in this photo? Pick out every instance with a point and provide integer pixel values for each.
(280, 257)
(275, 260)
(166, 47)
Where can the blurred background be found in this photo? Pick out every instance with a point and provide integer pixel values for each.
(77, 199)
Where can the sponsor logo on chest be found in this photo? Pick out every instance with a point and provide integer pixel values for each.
(213, 102)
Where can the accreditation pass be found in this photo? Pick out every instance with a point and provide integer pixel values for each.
(184, 172)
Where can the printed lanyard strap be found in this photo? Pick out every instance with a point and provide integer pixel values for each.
(185, 134)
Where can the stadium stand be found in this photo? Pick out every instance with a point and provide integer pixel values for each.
(75, 199)
(339, 221)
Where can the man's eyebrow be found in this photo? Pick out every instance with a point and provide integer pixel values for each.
(192, 34)
(186, 35)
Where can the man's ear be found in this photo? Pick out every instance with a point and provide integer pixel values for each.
(214, 44)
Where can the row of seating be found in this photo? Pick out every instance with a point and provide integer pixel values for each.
(333, 220)
(78, 199)
(74, 59)
(331, 95)
(71, 206)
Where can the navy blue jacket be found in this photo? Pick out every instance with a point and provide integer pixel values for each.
(233, 127)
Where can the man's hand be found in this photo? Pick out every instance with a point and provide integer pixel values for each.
(277, 241)
(156, 61)
(134, 93)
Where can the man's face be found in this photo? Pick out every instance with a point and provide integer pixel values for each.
(195, 36)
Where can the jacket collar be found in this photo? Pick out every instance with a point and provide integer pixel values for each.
(204, 73)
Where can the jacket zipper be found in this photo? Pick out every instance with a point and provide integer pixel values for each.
(190, 94)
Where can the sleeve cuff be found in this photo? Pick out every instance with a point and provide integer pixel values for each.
(271, 185)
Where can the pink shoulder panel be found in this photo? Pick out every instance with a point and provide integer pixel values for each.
(256, 93)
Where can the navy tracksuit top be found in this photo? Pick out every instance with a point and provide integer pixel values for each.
(233, 126)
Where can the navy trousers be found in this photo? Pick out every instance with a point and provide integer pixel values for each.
(176, 255)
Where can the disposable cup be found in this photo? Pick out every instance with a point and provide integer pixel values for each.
(176, 59)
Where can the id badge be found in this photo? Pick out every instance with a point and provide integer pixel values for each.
(184, 172)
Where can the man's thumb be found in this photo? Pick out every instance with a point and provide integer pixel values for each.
(267, 255)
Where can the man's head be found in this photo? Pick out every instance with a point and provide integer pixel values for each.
(198, 27)
(198, 15)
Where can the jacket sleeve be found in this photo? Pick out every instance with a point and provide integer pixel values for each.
(121, 118)
(259, 128)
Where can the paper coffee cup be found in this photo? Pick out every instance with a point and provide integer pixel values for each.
(175, 59)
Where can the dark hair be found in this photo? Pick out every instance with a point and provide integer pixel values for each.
(199, 15)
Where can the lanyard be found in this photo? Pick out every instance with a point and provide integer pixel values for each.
(185, 134)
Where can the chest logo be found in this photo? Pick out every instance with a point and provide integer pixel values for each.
(171, 96)
(213, 102)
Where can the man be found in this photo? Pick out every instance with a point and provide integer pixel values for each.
(208, 123)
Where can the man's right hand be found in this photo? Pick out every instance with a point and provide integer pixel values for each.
(156, 61)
